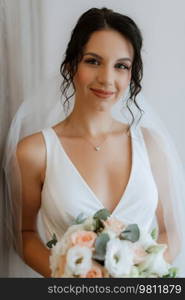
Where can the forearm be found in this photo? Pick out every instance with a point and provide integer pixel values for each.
(35, 254)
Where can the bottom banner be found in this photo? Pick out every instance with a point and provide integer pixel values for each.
(46, 288)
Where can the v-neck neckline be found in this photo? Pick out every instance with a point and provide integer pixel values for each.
(85, 182)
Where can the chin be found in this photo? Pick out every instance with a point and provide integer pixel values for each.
(104, 106)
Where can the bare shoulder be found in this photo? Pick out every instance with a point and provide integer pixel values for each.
(31, 153)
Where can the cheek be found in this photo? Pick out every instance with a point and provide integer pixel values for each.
(124, 82)
(128, 76)
(83, 77)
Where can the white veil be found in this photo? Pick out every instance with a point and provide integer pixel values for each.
(44, 109)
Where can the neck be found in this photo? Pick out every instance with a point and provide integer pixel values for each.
(87, 123)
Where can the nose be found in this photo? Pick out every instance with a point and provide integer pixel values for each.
(105, 76)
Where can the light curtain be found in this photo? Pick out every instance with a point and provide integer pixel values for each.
(21, 69)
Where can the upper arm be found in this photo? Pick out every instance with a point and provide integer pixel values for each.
(31, 159)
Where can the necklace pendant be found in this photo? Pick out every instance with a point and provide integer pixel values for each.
(97, 148)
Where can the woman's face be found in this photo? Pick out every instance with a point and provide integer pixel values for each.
(104, 72)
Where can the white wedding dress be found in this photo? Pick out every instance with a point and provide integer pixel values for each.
(156, 176)
(66, 194)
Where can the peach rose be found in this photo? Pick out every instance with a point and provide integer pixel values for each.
(139, 253)
(83, 238)
(96, 271)
(114, 225)
(61, 266)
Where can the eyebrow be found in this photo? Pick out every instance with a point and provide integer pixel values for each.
(99, 57)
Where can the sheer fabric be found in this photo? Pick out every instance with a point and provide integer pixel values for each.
(44, 109)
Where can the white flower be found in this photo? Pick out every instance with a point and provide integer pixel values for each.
(155, 262)
(112, 234)
(89, 224)
(153, 276)
(146, 239)
(134, 273)
(71, 229)
(118, 258)
(113, 227)
(62, 246)
(54, 258)
(139, 252)
(79, 260)
(67, 273)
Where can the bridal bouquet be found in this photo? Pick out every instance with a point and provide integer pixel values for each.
(102, 246)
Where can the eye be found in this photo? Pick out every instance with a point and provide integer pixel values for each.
(92, 61)
(122, 66)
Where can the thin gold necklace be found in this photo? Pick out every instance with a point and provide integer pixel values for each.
(98, 147)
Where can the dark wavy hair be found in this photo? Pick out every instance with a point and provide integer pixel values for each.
(96, 19)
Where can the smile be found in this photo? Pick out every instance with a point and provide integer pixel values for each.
(102, 93)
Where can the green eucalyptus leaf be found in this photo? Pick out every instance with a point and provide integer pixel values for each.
(155, 248)
(131, 233)
(97, 224)
(154, 234)
(166, 276)
(100, 246)
(172, 273)
(79, 219)
(102, 214)
(52, 242)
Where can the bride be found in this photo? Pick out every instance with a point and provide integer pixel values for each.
(102, 153)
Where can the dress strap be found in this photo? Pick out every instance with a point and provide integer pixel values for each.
(49, 144)
(48, 138)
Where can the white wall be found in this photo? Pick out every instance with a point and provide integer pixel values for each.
(162, 23)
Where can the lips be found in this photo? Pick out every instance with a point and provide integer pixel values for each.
(102, 93)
